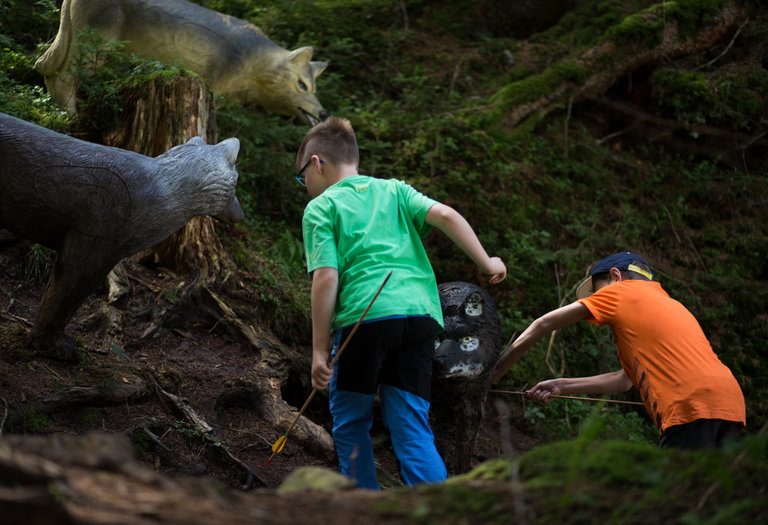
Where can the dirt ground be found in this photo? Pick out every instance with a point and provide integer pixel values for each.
(128, 358)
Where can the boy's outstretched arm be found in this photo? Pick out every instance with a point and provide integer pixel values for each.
(554, 320)
(609, 383)
(325, 285)
(455, 226)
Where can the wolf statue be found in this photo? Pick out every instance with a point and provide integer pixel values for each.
(462, 369)
(96, 205)
(233, 56)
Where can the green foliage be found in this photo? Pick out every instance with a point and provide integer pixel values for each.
(191, 431)
(39, 262)
(734, 97)
(646, 481)
(27, 22)
(90, 417)
(20, 98)
(142, 444)
(103, 71)
(33, 422)
(585, 481)
(272, 255)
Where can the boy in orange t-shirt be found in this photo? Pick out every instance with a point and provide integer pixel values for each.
(690, 395)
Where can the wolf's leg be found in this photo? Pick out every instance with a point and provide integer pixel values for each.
(80, 266)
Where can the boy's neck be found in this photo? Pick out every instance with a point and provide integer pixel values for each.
(339, 172)
(330, 174)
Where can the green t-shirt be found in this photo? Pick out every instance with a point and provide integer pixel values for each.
(365, 228)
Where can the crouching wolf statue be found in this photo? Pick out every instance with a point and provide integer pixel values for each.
(95, 205)
(233, 56)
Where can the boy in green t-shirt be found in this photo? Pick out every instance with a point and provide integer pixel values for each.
(356, 230)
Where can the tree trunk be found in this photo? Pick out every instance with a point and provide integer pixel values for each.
(156, 118)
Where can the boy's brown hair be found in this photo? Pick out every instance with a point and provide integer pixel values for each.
(333, 140)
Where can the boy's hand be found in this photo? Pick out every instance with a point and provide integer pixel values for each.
(544, 391)
(321, 372)
(497, 270)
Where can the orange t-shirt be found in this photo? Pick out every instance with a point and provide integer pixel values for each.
(666, 355)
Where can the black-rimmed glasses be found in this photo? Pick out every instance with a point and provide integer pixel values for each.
(300, 178)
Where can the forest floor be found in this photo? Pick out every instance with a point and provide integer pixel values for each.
(120, 385)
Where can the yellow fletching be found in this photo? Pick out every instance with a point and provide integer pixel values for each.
(279, 444)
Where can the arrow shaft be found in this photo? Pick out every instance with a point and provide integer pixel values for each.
(577, 398)
(333, 362)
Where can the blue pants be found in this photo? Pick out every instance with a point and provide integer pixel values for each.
(406, 417)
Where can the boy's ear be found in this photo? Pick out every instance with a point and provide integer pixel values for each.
(616, 274)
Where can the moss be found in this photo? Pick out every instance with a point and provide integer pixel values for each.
(690, 15)
(535, 86)
(644, 27)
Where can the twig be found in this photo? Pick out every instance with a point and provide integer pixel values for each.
(567, 123)
(518, 501)
(5, 415)
(154, 437)
(727, 48)
(671, 223)
(51, 370)
(13, 317)
(576, 398)
(152, 286)
(405, 15)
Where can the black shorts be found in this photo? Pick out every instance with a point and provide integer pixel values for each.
(396, 352)
(700, 433)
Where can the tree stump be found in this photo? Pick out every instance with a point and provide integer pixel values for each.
(157, 117)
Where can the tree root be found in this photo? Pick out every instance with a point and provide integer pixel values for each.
(206, 432)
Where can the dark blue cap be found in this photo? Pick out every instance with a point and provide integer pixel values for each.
(621, 261)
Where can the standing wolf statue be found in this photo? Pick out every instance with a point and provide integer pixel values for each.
(96, 205)
(233, 56)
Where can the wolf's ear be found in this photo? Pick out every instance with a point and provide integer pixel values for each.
(316, 68)
(301, 56)
(196, 141)
(231, 147)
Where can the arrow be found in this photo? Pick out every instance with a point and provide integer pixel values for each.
(577, 398)
(280, 443)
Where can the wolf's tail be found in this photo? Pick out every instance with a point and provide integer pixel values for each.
(52, 61)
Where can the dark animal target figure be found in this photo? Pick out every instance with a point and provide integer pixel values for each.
(465, 355)
(96, 205)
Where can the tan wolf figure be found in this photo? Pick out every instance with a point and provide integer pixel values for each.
(234, 57)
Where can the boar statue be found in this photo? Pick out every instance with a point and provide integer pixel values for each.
(95, 205)
(234, 57)
(465, 357)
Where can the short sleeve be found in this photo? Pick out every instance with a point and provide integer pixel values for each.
(417, 205)
(603, 305)
(319, 239)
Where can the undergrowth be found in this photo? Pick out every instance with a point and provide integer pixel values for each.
(419, 85)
